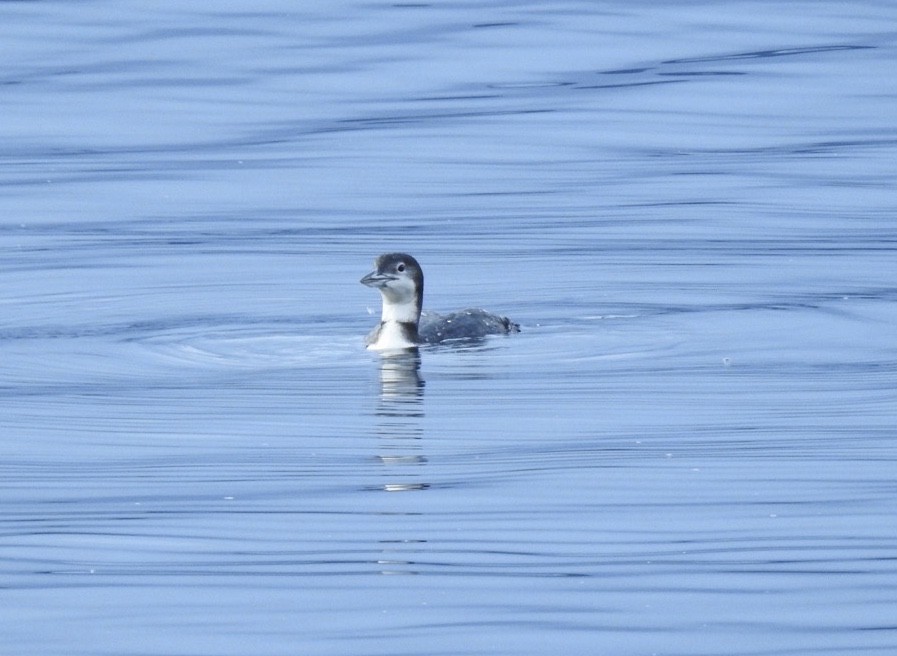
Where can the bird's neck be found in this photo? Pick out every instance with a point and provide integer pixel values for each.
(401, 312)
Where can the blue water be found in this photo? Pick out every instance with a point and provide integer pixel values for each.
(690, 209)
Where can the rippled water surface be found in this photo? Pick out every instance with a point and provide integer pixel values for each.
(690, 209)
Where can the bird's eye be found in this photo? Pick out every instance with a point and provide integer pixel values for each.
(400, 267)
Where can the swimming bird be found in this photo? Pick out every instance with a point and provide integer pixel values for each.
(400, 279)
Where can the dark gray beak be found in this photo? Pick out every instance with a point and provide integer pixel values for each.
(375, 279)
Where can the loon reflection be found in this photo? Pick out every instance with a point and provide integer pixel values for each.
(399, 413)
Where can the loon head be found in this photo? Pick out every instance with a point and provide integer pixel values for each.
(400, 280)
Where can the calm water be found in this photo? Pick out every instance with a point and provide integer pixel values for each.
(690, 208)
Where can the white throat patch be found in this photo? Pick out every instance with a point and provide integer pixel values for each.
(391, 336)
(406, 311)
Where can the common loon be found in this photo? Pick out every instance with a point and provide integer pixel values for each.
(400, 280)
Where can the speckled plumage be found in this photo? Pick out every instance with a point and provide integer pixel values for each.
(471, 323)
